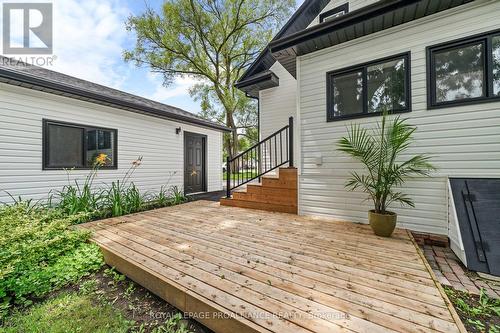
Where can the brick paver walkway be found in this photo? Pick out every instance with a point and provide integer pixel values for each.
(450, 272)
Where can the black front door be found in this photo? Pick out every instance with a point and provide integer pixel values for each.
(194, 162)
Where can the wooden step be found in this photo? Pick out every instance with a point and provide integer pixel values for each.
(267, 190)
(259, 205)
(276, 193)
(287, 179)
(285, 197)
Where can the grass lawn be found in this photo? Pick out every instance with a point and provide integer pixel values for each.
(104, 302)
(68, 312)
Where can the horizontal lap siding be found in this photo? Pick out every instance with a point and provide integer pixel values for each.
(21, 114)
(279, 103)
(464, 140)
(276, 106)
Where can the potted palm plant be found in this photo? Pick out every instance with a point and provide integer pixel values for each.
(380, 151)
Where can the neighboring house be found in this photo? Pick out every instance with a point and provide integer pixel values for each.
(435, 62)
(50, 122)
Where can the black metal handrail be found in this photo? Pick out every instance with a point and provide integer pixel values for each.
(265, 156)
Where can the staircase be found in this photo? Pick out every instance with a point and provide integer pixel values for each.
(273, 193)
(254, 170)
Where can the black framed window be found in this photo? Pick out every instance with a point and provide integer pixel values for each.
(67, 145)
(464, 71)
(369, 89)
(334, 13)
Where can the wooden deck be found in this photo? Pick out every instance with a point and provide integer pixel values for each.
(239, 270)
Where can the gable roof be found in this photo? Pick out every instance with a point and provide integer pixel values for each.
(381, 15)
(302, 17)
(33, 77)
(288, 44)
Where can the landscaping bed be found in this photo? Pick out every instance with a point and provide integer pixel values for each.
(480, 314)
(105, 301)
(53, 279)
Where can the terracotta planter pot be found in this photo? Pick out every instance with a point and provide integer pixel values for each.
(382, 224)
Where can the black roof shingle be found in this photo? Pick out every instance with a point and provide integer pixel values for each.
(21, 74)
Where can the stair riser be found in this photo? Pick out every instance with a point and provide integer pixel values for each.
(283, 199)
(276, 191)
(279, 183)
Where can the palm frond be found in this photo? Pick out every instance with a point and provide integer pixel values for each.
(380, 150)
(400, 197)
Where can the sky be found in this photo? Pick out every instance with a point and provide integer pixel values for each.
(89, 38)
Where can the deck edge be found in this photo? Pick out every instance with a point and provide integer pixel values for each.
(179, 298)
(438, 285)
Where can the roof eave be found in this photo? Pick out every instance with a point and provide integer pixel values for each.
(253, 84)
(348, 19)
(306, 5)
(323, 35)
(101, 99)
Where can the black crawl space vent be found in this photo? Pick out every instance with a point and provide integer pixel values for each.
(477, 204)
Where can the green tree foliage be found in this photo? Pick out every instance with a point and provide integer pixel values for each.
(214, 41)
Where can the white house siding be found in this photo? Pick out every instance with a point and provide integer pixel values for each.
(465, 140)
(353, 5)
(277, 105)
(21, 114)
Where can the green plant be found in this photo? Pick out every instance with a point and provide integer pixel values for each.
(39, 252)
(123, 197)
(177, 196)
(162, 198)
(173, 325)
(479, 312)
(380, 151)
(478, 324)
(488, 306)
(76, 198)
(114, 275)
(87, 287)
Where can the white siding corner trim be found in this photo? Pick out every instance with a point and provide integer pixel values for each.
(21, 174)
(454, 234)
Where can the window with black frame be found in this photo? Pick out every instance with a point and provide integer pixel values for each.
(67, 145)
(464, 71)
(369, 89)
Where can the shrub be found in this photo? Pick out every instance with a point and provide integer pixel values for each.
(39, 252)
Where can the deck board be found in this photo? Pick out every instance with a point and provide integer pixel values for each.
(256, 271)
